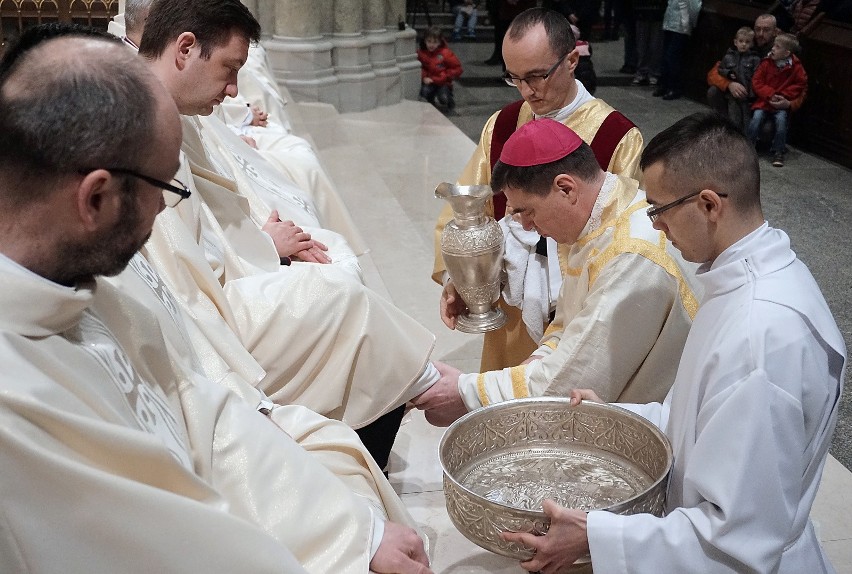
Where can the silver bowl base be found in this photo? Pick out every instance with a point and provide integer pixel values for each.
(481, 322)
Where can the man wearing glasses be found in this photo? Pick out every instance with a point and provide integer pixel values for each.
(753, 409)
(627, 300)
(540, 56)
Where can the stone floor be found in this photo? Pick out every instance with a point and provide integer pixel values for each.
(387, 162)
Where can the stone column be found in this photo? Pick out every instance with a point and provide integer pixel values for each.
(299, 54)
(405, 49)
(351, 58)
(382, 52)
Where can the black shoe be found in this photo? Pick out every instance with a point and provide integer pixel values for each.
(671, 95)
(627, 69)
(659, 91)
(778, 160)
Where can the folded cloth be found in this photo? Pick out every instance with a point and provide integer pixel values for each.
(527, 285)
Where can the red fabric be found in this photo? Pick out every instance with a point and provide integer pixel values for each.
(538, 142)
(504, 126)
(613, 128)
(769, 80)
(442, 65)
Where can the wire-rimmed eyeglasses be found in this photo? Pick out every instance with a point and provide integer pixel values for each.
(654, 212)
(534, 81)
(176, 194)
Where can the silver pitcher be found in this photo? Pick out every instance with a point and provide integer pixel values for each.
(472, 247)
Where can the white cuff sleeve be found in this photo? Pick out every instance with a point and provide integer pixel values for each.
(428, 377)
(378, 533)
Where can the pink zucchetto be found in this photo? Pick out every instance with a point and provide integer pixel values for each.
(538, 142)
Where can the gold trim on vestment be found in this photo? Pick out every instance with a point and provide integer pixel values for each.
(520, 390)
(480, 389)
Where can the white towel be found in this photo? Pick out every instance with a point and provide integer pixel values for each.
(527, 284)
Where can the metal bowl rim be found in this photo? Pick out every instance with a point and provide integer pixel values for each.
(554, 400)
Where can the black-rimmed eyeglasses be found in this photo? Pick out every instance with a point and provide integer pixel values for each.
(534, 81)
(654, 212)
(176, 194)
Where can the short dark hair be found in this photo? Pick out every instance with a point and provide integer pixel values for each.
(706, 149)
(57, 109)
(537, 179)
(557, 27)
(212, 21)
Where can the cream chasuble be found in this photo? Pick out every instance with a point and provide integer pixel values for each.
(116, 462)
(622, 316)
(321, 338)
(512, 345)
(330, 442)
(292, 155)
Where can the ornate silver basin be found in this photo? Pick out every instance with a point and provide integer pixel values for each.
(500, 462)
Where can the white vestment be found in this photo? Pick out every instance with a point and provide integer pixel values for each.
(622, 317)
(114, 460)
(750, 418)
(307, 334)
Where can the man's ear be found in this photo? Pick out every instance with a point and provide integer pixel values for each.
(567, 186)
(98, 200)
(184, 46)
(710, 203)
(573, 59)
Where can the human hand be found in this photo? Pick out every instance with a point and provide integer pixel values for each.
(286, 235)
(427, 81)
(442, 402)
(452, 305)
(779, 102)
(737, 90)
(578, 395)
(258, 117)
(313, 254)
(400, 552)
(565, 541)
(250, 141)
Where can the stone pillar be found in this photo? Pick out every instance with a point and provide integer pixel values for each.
(349, 53)
(299, 54)
(382, 52)
(351, 58)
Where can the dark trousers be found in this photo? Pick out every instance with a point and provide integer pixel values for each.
(441, 96)
(379, 435)
(674, 51)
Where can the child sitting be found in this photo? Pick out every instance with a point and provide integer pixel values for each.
(739, 64)
(464, 9)
(779, 78)
(585, 71)
(440, 67)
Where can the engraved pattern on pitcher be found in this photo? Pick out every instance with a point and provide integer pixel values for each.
(466, 241)
(478, 293)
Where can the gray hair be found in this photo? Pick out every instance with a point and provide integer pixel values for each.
(69, 104)
(135, 13)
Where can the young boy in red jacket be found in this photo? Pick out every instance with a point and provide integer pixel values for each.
(440, 67)
(779, 78)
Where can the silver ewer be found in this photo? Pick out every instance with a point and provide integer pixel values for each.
(472, 247)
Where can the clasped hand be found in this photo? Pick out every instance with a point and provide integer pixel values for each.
(292, 241)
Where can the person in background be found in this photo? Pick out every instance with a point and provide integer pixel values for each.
(439, 67)
(779, 77)
(738, 65)
(464, 9)
(678, 23)
(585, 71)
(649, 41)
